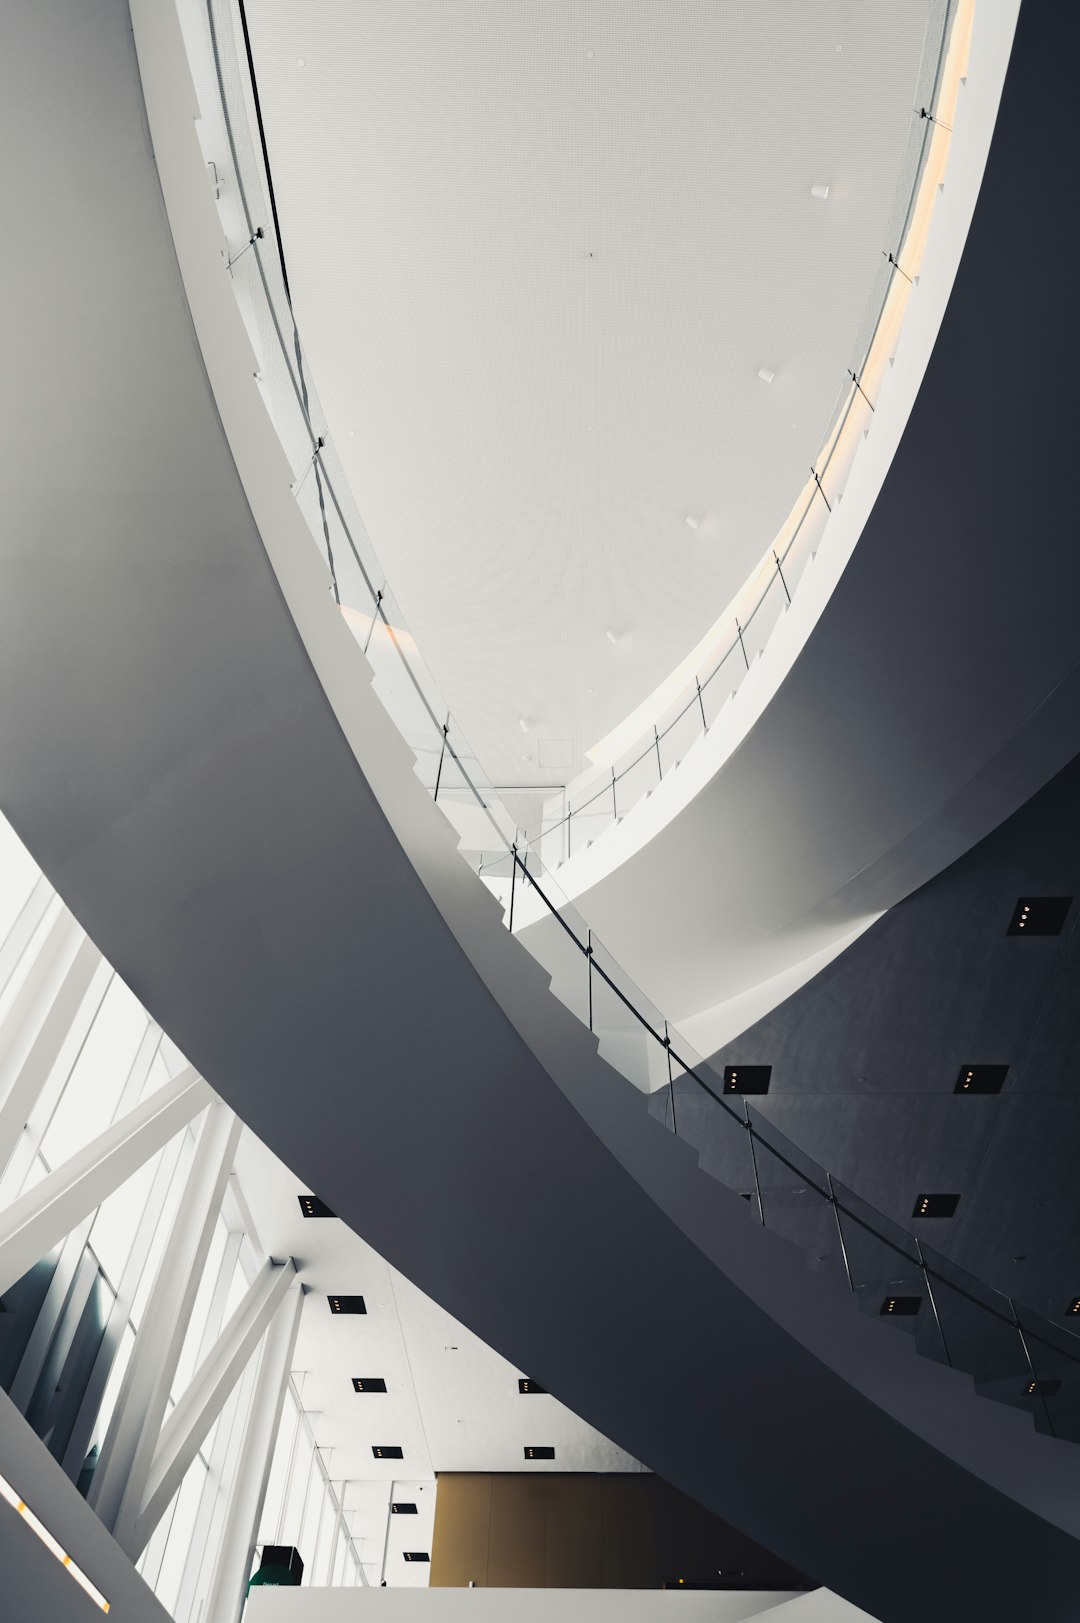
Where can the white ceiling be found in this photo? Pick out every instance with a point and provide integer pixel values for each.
(539, 253)
(451, 1403)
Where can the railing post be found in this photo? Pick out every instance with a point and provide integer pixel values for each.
(753, 1158)
(701, 705)
(780, 572)
(742, 645)
(1035, 1381)
(442, 757)
(588, 959)
(933, 1303)
(840, 1233)
(614, 802)
(656, 741)
(670, 1079)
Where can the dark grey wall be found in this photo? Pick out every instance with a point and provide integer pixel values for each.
(865, 1058)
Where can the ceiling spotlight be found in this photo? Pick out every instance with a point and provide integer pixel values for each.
(692, 520)
(819, 191)
(766, 374)
(612, 636)
(524, 723)
(300, 62)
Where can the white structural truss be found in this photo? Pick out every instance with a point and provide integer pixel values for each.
(144, 1336)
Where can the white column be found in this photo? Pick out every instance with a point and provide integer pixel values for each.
(198, 1408)
(41, 1021)
(42, 1217)
(21, 933)
(121, 1476)
(244, 1512)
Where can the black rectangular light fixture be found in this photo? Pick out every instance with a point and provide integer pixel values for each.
(981, 1078)
(387, 1451)
(532, 1452)
(368, 1383)
(403, 1507)
(347, 1304)
(901, 1307)
(1074, 1305)
(1039, 915)
(747, 1078)
(525, 1385)
(1045, 1389)
(935, 1205)
(312, 1206)
(416, 1555)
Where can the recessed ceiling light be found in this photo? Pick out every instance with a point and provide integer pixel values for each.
(38, 1527)
(1045, 1389)
(525, 1385)
(766, 374)
(935, 1205)
(1039, 915)
(368, 1383)
(612, 636)
(402, 1507)
(387, 1451)
(347, 1304)
(524, 723)
(300, 62)
(1074, 1305)
(312, 1206)
(417, 1555)
(590, 54)
(747, 1078)
(532, 1452)
(980, 1078)
(819, 191)
(692, 520)
(901, 1306)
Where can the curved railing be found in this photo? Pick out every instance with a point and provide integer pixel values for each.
(1014, 1355)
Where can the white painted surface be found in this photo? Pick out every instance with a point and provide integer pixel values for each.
(272, 1605)
(540, 258)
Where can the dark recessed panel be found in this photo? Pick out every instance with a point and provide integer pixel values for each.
(368, 1383)
(981, 1078)
(936, 1205)
(747, 1078)
(387, 1451)
(525, 1385)
(1039, 915)
(534, 1453)
(417, 1555)
(346, 1304)
(900, 1307)
(1074, 1305)
(1045, 1389)
(403, 1508)
(312, 1206)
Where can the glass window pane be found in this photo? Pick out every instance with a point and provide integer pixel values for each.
(178, 1546)
(93, 1089)
(119, 1216)
(279, 1469)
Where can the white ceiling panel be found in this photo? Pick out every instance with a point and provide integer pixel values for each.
(540, 254)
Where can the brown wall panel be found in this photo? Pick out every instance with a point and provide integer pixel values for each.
(517, 1550)
(459, 1545)
(630, 1546)
(574, 1520)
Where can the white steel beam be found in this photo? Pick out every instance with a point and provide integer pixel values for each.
(245, 1507)
(123, 1470)
(42, 1217)
(22, 931)
(191, 1419)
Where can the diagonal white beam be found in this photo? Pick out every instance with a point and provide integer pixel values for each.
(244, 1511)
(41, 1218)
(120, 1481)
(22, 931)
(184, 1430)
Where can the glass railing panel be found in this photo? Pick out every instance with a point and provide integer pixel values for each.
(721, 680)
(1055, 1362)
(980, 1335)
(716, 1130)
(794, 1194)
(680, 728)
(766, 609)
(884, 1266)
(630, 1028)
(638, 774)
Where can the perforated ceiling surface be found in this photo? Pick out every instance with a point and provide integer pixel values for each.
(539, 253)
